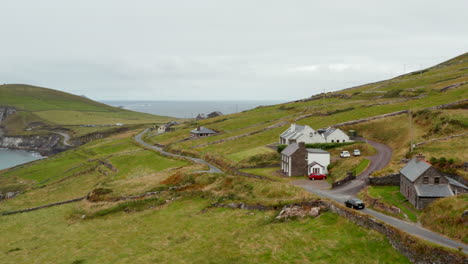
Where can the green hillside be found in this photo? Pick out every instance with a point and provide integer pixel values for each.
(39, 106)
(142, 207)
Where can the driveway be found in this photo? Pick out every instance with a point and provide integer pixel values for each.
(213, 169)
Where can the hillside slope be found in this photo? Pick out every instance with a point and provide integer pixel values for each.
(39, 107)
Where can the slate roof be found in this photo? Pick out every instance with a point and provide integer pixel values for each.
(315, 163)
(203, 130)
(329, 131)
(315, 150)
(414, 169)
(456, 183)
(289, 132)
(433, 190)
(290, 149)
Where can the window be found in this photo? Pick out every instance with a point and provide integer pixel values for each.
(436, 180)
(316, 170)
(426, 180)
(333, 140)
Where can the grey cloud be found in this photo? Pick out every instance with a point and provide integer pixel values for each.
(220, 50)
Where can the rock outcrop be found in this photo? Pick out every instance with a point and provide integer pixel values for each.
(46, 144)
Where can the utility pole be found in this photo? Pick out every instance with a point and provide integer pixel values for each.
(411, 129)
(323, 101)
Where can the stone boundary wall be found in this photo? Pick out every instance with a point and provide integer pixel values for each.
(415, 249)
(353, 122)
(44, 206)
(440, 139)
(348, 178)
(242, 135)
(387, 180)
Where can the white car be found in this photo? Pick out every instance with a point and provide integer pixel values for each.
(357, 152)
(345, 154)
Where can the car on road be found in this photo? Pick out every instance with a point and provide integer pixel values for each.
(357, 152)
(355, 204)
(317, 176)
(345, 154)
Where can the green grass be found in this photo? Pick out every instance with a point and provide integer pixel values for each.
(178, 233)
(391, 195)
(445, 216)
(271, 173)
(361, 166)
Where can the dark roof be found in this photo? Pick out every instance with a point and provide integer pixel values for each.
(315, 150)
(215, 113)
(456, 183)
(315, 163)
(414, 169)
(202, 130)
(290, 149)
(329, 131)
(433, 190)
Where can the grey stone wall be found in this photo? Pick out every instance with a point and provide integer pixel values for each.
(387, 180)
(412, 247)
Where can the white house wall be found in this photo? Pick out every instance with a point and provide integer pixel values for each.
(321, 158)
(338, 136)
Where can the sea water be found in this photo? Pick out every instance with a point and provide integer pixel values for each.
(189, 109)
(10, 157)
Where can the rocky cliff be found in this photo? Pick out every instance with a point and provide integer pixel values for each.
(44, 144)
(6, 111)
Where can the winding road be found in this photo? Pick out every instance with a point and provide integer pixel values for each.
(341, 194)
(345, 192)
(212, 169)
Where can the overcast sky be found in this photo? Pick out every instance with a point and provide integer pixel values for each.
(222, 50)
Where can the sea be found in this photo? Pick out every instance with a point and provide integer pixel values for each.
(11, 157)
(189, 109)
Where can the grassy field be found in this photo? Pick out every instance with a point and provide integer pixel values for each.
(161, 229)
(271, 173)
(446, 217)
(391, 196)
(178, 233)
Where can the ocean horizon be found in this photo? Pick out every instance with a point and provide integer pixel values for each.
(189, 109)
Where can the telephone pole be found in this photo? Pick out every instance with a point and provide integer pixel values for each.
(411, 129)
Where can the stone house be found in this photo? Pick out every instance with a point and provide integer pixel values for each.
(306, 134)
(214, 114)
(421, 183)
(296, 160)
(201, 132)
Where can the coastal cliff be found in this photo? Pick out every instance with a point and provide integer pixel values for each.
(44, 144)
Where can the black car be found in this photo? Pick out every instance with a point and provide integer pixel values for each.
(355, 203)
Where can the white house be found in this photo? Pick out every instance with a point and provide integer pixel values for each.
(306, 134)
(332, 135)
(318, 161)
(297, 133)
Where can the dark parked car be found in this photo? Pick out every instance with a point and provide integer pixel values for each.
(355, 203)
(317, 176)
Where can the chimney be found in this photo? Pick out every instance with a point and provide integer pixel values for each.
(293, 126)
(301, 145)
(420, 156)
(198, 128)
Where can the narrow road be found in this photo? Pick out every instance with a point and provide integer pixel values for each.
(347, 191)
(66, 138)
(212, 169)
